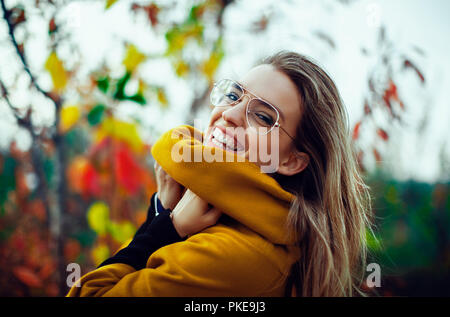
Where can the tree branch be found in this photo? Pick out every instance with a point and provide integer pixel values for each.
(6, 16)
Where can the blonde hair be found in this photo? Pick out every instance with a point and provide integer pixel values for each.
(332, 209)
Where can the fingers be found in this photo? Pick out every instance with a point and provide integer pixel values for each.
(212, 216)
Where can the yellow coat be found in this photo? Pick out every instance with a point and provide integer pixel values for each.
(247, 253)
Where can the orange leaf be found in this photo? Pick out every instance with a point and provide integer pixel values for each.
(47, 269)
(72, 249)
(37, 208)
(377, 155)
(382, 134)
(356, 130)
(28, 277)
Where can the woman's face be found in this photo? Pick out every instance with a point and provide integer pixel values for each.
(273, 86)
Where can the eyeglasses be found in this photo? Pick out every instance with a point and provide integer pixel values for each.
(259, 113)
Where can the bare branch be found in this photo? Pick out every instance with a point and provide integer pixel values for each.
(19, 49)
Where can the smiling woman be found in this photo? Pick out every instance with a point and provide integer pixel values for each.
(221, 228)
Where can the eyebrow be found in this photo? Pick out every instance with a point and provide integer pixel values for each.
(279, 110)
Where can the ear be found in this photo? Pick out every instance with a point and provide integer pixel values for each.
(294, 163)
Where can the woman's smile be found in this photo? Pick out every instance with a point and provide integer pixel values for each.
(223, 138)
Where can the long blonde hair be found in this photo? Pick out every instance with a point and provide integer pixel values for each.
(332, 209)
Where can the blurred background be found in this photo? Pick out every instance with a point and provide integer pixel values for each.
(86, 87)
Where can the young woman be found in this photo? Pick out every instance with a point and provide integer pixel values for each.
(227, 229)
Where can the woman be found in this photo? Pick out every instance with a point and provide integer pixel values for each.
(226, 228)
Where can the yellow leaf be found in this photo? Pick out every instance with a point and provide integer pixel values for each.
(210, 66)
(162, 97)
(98, 217)
(133, 57)
(69, 116)
(109, 3)
(121, 232)
(100, 253)
(56, 69)
(181, 68)
(122, 131)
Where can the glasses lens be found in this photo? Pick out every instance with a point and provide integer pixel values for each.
(225, 92)
(261, 114)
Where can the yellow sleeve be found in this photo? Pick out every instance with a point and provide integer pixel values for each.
(204, 265)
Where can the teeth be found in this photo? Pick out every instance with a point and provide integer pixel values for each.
(222, 139)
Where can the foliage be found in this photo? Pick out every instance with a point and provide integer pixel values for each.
(411, 232)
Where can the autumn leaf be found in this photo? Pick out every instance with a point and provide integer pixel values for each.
(27, 276)
(133, 57)
(356, 130)
(377, 155)
(52, 26)
(382, 134)
(122, 231)
(72, 249)
(367, 109)
(408, 64)
(90, 181)
(69, 116)
(181, 68)
(56, 69)
(109, 3)
(98, 217)
(17, 15)
(210, 66)
(162, 98)
(127, 171)
(48, 267)
(37, 208)
(100, 253)
(120, 131)
(151, 10)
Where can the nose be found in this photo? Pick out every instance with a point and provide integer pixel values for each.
(236, 114)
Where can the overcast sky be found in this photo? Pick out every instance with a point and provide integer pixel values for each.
(409, 23)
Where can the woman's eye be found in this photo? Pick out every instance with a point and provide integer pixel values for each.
(266, 119)
(232, 96)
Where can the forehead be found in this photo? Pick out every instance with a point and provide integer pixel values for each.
(267, 82)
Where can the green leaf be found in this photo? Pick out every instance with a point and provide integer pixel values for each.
(86, 237)
(119, 94)
(48, 170)
(7, 178)
(103, 84)
(95, 116)
(138, 98)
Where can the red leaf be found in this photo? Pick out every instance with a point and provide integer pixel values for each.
(377, 155)
(408, 63)
(127, 170)
(382, 134)
(28, 277)
(90, 181)
(47, 269)
(51, 26)
(72, 249)
(356, 130)
(367, 109)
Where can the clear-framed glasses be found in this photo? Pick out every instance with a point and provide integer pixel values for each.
(259, 113)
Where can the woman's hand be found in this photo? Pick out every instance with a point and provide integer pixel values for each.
(192, 214)
(169, 191)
